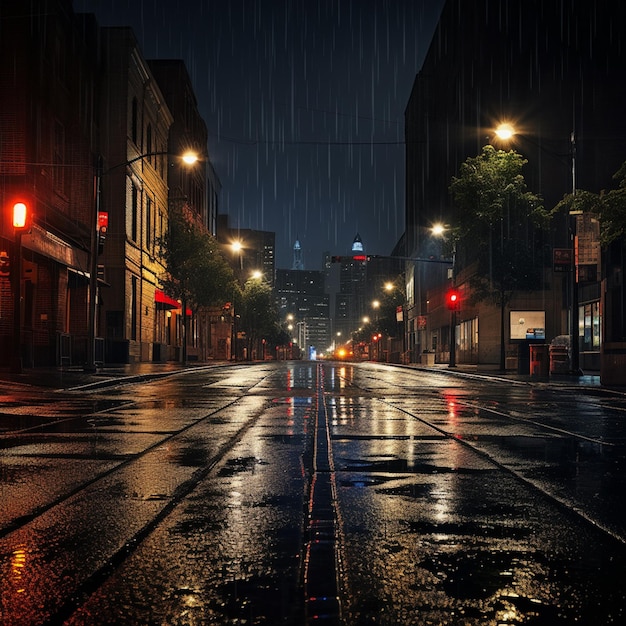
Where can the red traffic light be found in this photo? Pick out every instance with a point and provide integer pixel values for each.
(20, 215)
(453, 300)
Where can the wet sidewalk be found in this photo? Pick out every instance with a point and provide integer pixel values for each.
(73, 377)
(591, 379)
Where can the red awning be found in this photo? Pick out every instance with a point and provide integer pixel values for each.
(168, 303)
(165, 300)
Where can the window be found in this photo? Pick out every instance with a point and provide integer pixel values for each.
(149, 142)
(589, 327)
(133, 123)
(133, 309)
(134, 212)
(149, 238)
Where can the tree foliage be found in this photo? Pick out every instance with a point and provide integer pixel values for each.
(259, 318)
(499, 224)
(609, 206)
(197, 273)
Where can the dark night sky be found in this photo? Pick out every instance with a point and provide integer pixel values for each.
(304, 101)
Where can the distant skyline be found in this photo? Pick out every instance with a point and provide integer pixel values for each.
(304, 102)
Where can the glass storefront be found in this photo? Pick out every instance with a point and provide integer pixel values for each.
(589, 327)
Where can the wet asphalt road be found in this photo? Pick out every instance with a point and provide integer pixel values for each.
(236, 495)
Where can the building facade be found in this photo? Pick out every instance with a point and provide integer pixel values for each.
(135, 125)
(554, 72)
(303, 303)
(89, 143)
(48, 144)
(196, 190)
(351, 299)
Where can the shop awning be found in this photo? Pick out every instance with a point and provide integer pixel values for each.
(168, 303)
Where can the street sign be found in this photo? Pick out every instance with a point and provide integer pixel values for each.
(562, 259)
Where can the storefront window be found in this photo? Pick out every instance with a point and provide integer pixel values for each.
(596, 325)
(589, 327)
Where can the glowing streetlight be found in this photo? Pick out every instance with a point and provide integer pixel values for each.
(189, 158)
(20, 215)
(438, 230)
(505, 131)
(20, 224)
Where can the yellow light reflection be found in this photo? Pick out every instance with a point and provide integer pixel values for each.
(18, 563)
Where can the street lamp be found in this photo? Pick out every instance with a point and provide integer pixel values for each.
(439, 230)
(98, 229)
(505, 132)
(21, 221)
(237, 248)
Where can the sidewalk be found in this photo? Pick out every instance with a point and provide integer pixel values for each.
(590, 380)
(72, 377)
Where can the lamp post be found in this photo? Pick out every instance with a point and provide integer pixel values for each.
(506, 132)
(439, 230)
(189, 158)
(574, 347)
(21, 219)
(237, 248)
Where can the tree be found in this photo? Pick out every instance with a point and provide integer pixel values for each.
(259, 318)
(500, 224)
(610, 209)
(196, 272)
(609, 206)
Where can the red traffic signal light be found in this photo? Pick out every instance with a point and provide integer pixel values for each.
(453, 300)
(20, 215)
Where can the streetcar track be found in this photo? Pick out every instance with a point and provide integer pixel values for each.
(523, 420)
(19, 522)
(93, 582)
(506, 415)
(96, 579)
(564, 505)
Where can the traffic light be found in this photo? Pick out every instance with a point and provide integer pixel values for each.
(5, 264)
(102, 234)
(453, 300)
(103, 224)
(21, 216)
